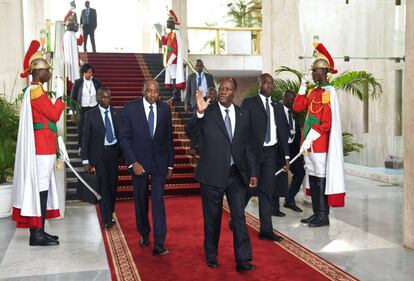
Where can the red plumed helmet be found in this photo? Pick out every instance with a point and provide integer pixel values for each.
(34, 46)
(174, 16)
(322, 53)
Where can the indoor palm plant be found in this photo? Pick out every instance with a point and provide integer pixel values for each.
(360, 84)
(8, 135)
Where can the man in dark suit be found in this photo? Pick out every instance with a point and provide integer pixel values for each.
(88, 22)
(84, 92)
(226, 166)
(101, 151)
(269, 138)
(147, 142)
(296, 167)
(195, 81)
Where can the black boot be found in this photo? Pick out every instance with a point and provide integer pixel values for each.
(314, 186)
(43, 205)
(38, 238)
(323, 208)
(37, 235)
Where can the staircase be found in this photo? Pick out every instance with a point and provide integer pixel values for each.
(124, 74)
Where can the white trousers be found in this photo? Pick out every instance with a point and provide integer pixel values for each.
(45, 171)
(315, 164)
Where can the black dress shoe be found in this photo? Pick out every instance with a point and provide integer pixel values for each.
(108, 225)
(244, 266)
(160, 252)
(144, 241)
(293, 207)
(308, 220)
(270, 237)
(318, 222)
(278, 213)
(212, 263)
(50, 236)
(37, 238)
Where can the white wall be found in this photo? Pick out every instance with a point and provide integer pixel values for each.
(373, 29)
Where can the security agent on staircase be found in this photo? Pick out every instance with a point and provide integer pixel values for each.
(101, 151)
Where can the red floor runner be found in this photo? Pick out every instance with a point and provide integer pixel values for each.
(186, 260)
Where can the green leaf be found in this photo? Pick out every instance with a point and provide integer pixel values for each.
(359, 83)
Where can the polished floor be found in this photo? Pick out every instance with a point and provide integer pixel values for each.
(364, 239)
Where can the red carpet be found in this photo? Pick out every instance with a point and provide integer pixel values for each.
(128, 261)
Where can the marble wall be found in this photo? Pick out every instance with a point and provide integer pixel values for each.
(11, 48)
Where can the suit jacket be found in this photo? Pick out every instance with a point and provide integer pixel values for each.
(215, 154)
(136, 141)
(77, 89)
(92, 18)
(192, 88)
(258, 121)
(94, 134)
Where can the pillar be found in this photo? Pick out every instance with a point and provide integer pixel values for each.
(408, 128)
(281, 38)
(11, 49)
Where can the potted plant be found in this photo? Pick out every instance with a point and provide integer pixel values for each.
(8, 135)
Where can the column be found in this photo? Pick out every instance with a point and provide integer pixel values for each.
(180, 9)
(281, 38)
(408, 128)
(11, 49)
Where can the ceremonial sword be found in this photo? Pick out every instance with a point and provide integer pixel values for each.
(290, 162)
(64, 155)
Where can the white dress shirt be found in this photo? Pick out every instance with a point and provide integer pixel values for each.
(273, 133)
(290, 140)
(203, 82)
(147, 111)
(88, 94)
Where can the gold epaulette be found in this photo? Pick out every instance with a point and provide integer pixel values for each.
(326, 97)
(309, 92)
(36, 92)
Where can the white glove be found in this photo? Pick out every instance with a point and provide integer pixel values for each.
(171, 59)
(62, 149)
(58, 87)
(310, 138)
(303, 86)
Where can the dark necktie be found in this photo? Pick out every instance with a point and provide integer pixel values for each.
(199, 80)
(108, 128)
(290, 118)
(151, 121)
(227, 122)
(267, 135)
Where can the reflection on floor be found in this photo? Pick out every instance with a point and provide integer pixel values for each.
(364, 239)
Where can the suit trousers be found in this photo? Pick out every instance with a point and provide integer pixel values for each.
(81, 120)
(88, 31)
(141, 193)
(212, 201)
(298, 172)
(107, 178)
(266, 188)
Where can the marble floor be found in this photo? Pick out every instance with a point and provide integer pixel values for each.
(364, 239)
